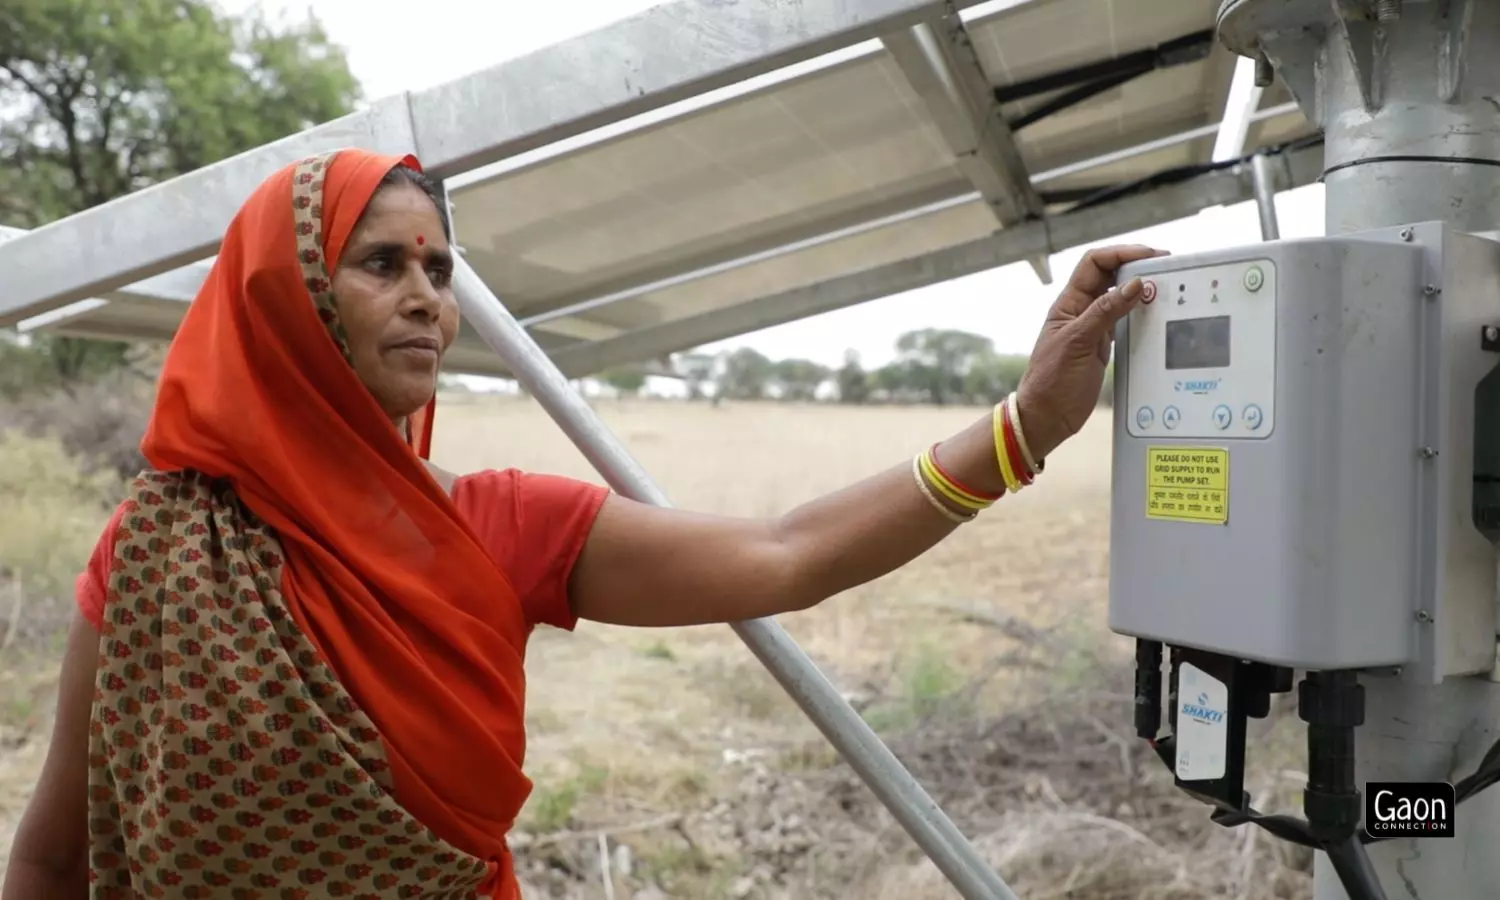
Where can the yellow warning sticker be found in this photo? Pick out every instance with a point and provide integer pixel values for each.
(1188, 484)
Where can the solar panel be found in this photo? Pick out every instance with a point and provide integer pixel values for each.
(850, 166)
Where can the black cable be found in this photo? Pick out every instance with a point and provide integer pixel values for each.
(1332, 704)
(1352, 864)
(1113, 192)
(1486, 774)
(1296, 830)
(1189, 48)
(1287, 828)
(1408, 158)
(1147, 689)
(1080, 94)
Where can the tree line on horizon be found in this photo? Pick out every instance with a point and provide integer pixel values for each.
(934, 366)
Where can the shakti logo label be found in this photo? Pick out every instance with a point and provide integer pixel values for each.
(1395, 809)
(1202, 712)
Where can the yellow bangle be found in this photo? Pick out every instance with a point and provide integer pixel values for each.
(1012, 483)
(950, 515)
(947, 488)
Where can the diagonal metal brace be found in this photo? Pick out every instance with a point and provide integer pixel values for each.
(874, 762)
(942, 68)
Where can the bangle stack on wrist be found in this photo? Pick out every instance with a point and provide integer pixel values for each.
(1017, 468)
(933, 480)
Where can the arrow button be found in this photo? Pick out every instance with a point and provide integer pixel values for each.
(1222, 416)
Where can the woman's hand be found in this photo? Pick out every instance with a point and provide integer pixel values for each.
(1060, 389)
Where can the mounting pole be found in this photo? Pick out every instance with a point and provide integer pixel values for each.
(1265, 196)
(1402, 92)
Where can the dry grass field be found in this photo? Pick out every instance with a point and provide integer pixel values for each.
(669, 764)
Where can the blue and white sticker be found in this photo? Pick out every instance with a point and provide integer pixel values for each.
(1202, 724)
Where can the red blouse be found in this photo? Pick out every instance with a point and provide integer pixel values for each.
(532, 525)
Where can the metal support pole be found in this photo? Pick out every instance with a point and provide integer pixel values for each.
(908, 803)
(1265, 196)
(1428, 733)
(1411, 136)
(452, 220)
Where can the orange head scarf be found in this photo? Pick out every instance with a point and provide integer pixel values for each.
(381, 574)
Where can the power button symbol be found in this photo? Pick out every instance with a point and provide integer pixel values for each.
(1254, 279)
(1148, 291)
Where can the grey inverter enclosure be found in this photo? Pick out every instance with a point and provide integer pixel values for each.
(1293, 441)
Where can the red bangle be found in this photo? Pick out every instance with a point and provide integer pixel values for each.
(977, 495)
(1013, 449)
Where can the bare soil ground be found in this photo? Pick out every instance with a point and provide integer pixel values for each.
(669, 764)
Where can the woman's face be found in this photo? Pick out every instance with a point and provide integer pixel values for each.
(393, 288)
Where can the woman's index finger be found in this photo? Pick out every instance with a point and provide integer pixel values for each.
(1095, 274)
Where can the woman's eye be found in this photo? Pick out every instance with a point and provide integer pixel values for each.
(380, 262)
(440, 276)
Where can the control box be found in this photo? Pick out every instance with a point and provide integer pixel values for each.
(1293, 473)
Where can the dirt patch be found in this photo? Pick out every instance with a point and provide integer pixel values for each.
(1058, 798)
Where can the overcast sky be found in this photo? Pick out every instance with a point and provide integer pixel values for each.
(395, 46)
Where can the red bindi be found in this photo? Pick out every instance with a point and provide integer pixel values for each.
(421, 240)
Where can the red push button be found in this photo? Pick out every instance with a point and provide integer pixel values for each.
(1148, 291)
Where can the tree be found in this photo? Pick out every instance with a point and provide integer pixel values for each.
(902, 381)
(940, 360)
(747, 373)
(853, 380)
(628, 381)
(21, 368)
(99, 98)
(799, 379)
(990, 377)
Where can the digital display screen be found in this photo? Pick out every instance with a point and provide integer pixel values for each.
(1198, 343)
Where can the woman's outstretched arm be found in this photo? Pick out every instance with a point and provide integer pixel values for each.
(648, 566)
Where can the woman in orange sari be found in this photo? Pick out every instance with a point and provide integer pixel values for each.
(297, 668)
